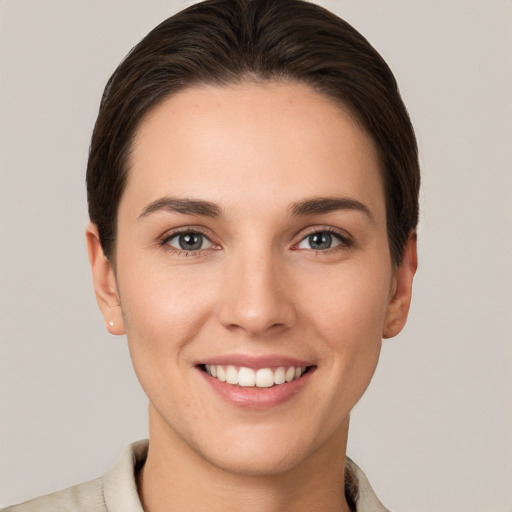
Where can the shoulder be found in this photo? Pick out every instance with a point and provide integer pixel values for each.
(116, 491)
(85, 497)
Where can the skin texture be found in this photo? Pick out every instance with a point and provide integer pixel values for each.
(255, 287)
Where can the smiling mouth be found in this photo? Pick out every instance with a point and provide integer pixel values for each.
(250, 378)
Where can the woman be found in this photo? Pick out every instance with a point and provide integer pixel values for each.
(253, 194)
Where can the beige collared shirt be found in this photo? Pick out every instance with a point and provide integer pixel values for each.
(116, 491)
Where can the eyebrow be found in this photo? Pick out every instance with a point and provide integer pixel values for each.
(311, 206)
(319, 205)
(185, 206)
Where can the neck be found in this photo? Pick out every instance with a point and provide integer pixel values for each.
(176, 477)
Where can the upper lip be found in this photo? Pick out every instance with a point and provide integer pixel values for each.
(254, 362)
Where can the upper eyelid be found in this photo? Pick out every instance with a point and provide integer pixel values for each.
(342, 233)
(171, 233)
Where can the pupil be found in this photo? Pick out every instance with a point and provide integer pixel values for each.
(191, 241)
(321, 240)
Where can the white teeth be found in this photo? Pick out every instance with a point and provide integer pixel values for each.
(264, 378)
(280, 376)
(247, 377)
(221, 373)
(231, 375)
(290, 374)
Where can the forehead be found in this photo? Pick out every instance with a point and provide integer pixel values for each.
(283, 139)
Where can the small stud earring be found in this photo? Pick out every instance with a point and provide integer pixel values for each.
(111, 323)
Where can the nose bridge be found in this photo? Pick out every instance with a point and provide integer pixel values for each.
(256, 297)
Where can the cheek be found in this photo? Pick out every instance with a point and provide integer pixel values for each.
(161, 317)
(348, 313)
(348, 304)
(163, 308)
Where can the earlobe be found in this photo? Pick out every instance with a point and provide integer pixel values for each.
(104, 280)
(398, 306)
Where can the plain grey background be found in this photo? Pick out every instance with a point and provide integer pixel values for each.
(434, 430)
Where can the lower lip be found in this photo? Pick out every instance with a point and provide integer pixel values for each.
(257, 398)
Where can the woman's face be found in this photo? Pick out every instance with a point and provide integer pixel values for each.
(252, 245)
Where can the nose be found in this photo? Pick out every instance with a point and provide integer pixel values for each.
(257, 295)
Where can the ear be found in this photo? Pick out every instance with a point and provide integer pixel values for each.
(401, 289)
(104, 281)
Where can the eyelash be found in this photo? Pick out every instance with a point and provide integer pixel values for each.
(164, 242)
(345, 241)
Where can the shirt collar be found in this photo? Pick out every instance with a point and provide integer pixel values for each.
(119, 483)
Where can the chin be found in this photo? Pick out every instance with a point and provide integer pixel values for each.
(261, 450)
(257, 461)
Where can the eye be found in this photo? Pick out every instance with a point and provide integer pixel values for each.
(189, 241)
(321, 241)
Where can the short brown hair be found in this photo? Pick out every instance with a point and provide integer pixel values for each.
(227, 41)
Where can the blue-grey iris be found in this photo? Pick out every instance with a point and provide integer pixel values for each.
(321, 240)
(190, 241)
